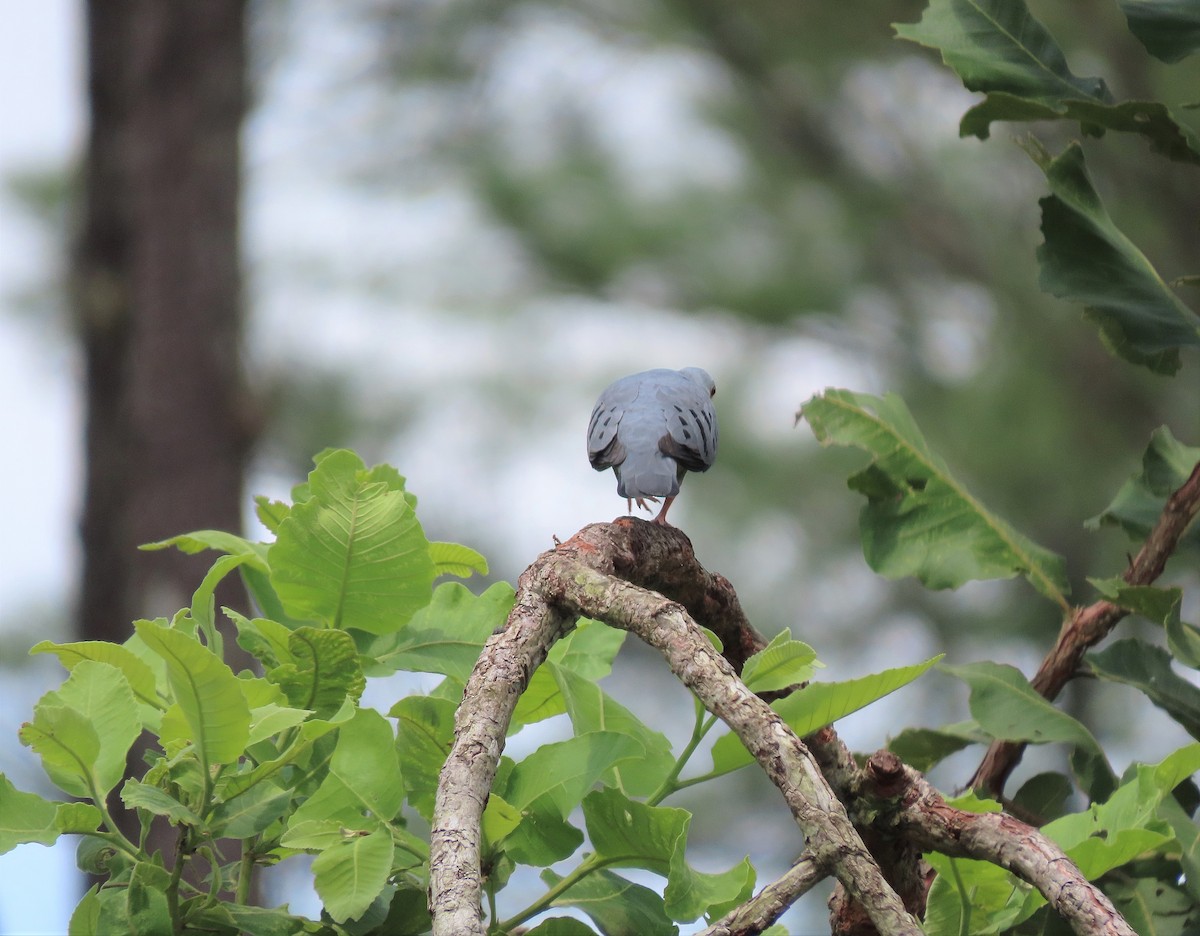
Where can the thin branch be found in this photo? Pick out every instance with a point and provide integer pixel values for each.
(768, 905)
(923, 818)
(1086, 627)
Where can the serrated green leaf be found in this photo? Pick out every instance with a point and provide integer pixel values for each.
(1087, 259)
(456, 559)
(138, 795)
(615, 904)
(271, 513)
(591, 709)
(323, 671)
(919, 520)
(353, 555)
(1166, 465)
(817, 705)
(424, 733)
(207, 693)
(138, 674)
(101, 694)
(1148, 669)
(264, 639)
(444, 637)
(25, 817)
(562, 773)
(1169, 29)
(351, 874)
(783, 662)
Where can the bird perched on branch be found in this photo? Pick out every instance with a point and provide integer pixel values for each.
(653, 428)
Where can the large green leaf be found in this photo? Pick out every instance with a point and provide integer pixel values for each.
(138, 795)
(561, 774)
(443, 637)
(138, 674)
(148, 910)
(1169, 29)
(627, 833)
(1087, 259)
(782, 663)
(456, 559)
(615, 904)
(588, 651)
(250, 812)
(919, 520)
(353, 555)
(25, 817)
(1166, 465)
(322, 672)
(365, 761)
(349, 875)
(68, 746)
(424, 734)
(206, 691)
(997, 47)
(818, 705)
(1148, 669)
(592, 709)
(101, 694)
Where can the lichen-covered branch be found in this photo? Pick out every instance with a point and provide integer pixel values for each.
(1087, 626)
(922, 817)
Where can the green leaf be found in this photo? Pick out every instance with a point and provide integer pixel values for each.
(615, 904)
(542, 837)
(1087, 259)
(1148, 669)
(1045, 795)
(271, 513)
(561, 926)
(919, 520)
(77, 818)
(592, 710)
(997, 47)
(365, 761)
(85, 921)
(562, 773)
(353, 555)
(323, 671)
(1187, 833)
(138, 795)
(1009, 709)
(818, 705)
(101, 694)
(1154, 907)
(424, 733)
(25, 817)
(351, 874)
(922, 748)
(454, 559)
(147, 910)
(250, 812)
(68, 747)
(218, 540)
(1169, 29)
(207, 693)
(443, 637)
(627, 833)
(588, 651)
(783, 662)
(1166, 465)
(137, 673)
(270, 719)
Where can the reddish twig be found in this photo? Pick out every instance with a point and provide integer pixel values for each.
(1087, 626)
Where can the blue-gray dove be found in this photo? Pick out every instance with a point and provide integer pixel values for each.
(653, 428)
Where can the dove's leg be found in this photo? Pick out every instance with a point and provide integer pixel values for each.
(643, 501)
(661, 519)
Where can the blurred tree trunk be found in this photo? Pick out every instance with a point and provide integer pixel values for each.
(157, 295)
(158, 298)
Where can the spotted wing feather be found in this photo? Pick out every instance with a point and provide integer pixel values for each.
(691, 437)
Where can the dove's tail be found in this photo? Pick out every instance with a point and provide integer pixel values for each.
(647, 474)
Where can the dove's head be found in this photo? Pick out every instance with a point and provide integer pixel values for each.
(702, 377)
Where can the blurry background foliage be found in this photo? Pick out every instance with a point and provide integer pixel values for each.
(465, 218)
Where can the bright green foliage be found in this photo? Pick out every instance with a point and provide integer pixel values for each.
(24, 817)
(352, 555)
(1087, 259)
(1147, 668)
(783, 662)
(919, 520)
(350, 874)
